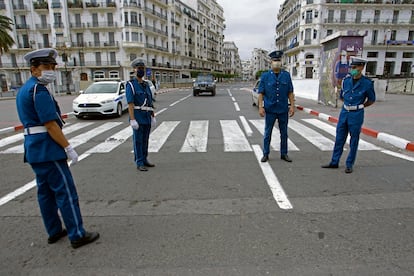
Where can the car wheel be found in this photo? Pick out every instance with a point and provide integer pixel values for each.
(194, 93)
(79, 116)
(119, 110)
(253, 102)
(213, 93)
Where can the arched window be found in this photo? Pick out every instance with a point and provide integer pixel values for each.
(99, 75)
(113, 74)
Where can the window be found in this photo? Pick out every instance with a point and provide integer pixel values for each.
(98, 58)
(329, 32)
(408, 55)
(315, 34)
(99, 75)
(134, 36)
(113, 74)
(132, 57)
(390, 54)
(372, 54)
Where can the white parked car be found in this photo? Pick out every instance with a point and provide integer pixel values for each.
(153, 89)
(101, 98)
(255, 94)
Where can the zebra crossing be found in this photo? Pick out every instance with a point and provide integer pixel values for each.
(235, 136)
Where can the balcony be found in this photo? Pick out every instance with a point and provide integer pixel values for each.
(95, 4)
(75, 5)
(19, 7)
(155, 13)
(23, 26)
(155, 30)
(102, 25)
(41, 5)
(43, 27)
(100, 44)
(155, 47)
(56, 5)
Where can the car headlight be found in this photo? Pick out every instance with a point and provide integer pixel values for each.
(106, 101)
(75, 102)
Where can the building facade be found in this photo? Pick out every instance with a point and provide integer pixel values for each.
(260, 61)
(232, 62)
(99, 38)
(247, 71)
(388, 26)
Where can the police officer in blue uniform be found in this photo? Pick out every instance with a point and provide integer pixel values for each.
(276, 91)
(357, 92)
(46, 149)
(141, 114)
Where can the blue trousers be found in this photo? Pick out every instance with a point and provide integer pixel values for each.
(56, 191)
(140, 142)
(349, 122)
(270, 119)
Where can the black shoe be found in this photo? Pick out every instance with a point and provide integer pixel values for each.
(88, 238)
(56, 237)
(286, 158)
(142, 168)
(348, 170)
(264, 158)
(149, 165)
(330, 166)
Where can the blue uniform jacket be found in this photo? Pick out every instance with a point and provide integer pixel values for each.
(140, 95)
(276, 91)
(36, 106)
(358, 94)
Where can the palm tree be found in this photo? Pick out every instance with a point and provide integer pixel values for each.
(6, 41)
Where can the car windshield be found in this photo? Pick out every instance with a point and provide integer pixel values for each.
(204, 78)
(102, 88)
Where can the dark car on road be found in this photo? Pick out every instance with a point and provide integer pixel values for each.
(204, 84)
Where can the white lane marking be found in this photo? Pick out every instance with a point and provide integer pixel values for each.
(161, 111)
(180, 100)
(11, 139)
(228, 91)
(86, 136)
(234, 138)
(312, 136)
(275, 141)
(66, 130)
(246, 126)
(277, 190)
(31, 185)
(17, 192)
(363, 145)
(236, 106)
(160, 135)
(112, 142)
(399, 155)
(233, 99)
(196, 139)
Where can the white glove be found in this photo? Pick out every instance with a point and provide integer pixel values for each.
(72, 155)
(153, 122)
(134, 124)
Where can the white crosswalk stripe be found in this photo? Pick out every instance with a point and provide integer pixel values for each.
(160, 135)
(312, 136)
(234, 138)
(235, 135)
(196, 139)
(66, 130)
(275, 141)
(363, 145)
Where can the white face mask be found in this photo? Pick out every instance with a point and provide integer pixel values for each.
(276, 64)
(48, 76)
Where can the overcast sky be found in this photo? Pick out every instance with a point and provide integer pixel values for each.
(250, 24)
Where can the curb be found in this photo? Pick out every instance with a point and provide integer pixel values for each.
(381, 136)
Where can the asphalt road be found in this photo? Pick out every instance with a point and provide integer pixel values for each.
(209, 207)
